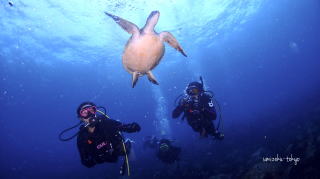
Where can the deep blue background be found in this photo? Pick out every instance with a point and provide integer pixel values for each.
(265, 74)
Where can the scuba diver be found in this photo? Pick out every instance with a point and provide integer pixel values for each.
(198, 107)
(99, 138)
(165, 151)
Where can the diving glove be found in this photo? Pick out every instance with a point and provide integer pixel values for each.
(135, 127)
(219, 136)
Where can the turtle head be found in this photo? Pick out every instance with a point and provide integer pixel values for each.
(154, 16)
(152, 21)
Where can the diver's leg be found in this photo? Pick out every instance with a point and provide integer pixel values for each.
(204, 127)
(123, 167)
(210, 128)
(213, 131)
(195, 125)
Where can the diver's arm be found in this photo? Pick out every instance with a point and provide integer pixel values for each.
(177, 112)
(132, 127)
(86, 159)
(117, 126)
(179, 109)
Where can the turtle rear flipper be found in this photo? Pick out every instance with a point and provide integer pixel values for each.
(151, 78)
(135, 76)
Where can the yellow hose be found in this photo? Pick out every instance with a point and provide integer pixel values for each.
(103, 114)
(126, 156)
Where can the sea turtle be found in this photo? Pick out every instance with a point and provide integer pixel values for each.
(145, 47)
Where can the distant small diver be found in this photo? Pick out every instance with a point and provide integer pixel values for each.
(145, 48)
(165, 151)
(10, 3)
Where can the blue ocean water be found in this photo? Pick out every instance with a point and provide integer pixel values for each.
(259, 57)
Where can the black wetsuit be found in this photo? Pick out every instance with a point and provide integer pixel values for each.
(200, 113)
(105, 143)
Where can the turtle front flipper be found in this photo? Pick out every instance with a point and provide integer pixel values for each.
(152, 78)
(130, 27)
(169, 38)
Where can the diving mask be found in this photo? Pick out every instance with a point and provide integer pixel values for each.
(88, 111)
(193, 90)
